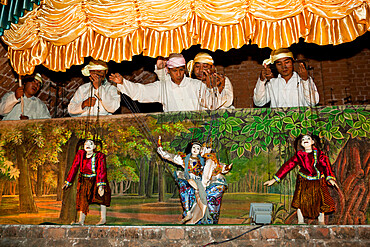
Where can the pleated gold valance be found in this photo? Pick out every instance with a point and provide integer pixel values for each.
(59, 34)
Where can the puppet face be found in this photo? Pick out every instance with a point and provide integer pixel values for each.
(195, 150)
(89, 146)
(177, 74)
(307, 142)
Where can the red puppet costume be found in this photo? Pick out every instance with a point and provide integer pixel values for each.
(93, 174)
(92, 186)
(311, 197)
(311, 194)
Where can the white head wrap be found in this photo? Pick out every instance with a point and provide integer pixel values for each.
(201, 57)
(175, 62)
(277, 54)
(39, 78)
(94, 65)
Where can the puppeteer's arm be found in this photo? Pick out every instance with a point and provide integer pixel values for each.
(75, 105)
(111, 99)
(8, 102)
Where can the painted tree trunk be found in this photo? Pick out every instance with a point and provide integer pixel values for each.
(26, 201)
(352, 170)
(150, 181)
(142, 180)
(161, 181)
(68, 212)
(61, 171)
(2, 185)
(39, 181)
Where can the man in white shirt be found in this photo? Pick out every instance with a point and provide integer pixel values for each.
(176, 92)
(33, 107)
(202, 68)
(290, 89)
(98, 97)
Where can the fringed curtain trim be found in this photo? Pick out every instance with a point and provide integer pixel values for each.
(60, 34)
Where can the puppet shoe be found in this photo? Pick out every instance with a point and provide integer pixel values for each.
(301, 223)
(188, 217)
(78, 223)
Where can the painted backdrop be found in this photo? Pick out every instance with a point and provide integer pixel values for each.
(35, 156)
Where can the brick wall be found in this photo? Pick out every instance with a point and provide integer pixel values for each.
(339, 72)
(290, 235)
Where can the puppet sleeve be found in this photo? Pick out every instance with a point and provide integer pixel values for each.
(101, 172)
(324, 160)
(75, 166)
(286, 168)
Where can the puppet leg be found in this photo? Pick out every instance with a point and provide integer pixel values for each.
(321, 219)
(81, 221)
(103, 215)
(300, 217)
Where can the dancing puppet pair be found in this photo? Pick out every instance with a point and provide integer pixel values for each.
(201, 184)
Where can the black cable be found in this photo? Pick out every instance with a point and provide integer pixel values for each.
(231, 239)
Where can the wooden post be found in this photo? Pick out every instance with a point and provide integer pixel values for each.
(22, 101)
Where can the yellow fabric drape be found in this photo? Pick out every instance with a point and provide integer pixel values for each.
(60, 33)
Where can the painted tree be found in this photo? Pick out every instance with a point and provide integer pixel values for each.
(33, 144)
(8, 172)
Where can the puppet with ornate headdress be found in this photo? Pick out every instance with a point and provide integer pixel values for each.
(311, 197)
(200, 192)
(92, 185)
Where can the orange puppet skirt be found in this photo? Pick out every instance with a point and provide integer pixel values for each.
(312, 197)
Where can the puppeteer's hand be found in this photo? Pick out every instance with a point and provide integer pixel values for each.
(96, 80)
(270, 182)
(266, 73)
(101, 190)
(116, 78)
(333, 183)
(220, 82)
(302, 72)
(19, 92)
(161, 63)
(90, 102)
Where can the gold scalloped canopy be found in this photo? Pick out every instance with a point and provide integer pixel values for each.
(61, 33)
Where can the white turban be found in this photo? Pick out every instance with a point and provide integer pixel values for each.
(201, 57)
(277, 54)
(39, 78)
(175, 62)
(94, 65)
